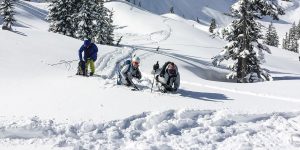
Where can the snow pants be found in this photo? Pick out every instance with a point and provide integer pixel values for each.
(90, 63)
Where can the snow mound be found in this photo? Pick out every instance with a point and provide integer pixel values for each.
(171, 129)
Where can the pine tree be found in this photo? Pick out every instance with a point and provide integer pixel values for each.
(271, 37)
(7, 11)
(298, 30)
(172, 10)
(87, 27)
(243, 35)
(102, 24)
(293, 45)
(62, 16)
(291, 40)
(110, 30)
(213, 25)
(82, 19)
(198, 20)
(285, 41)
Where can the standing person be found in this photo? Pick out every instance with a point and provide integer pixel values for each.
(90, 51)
(130, 70)
(168, 80)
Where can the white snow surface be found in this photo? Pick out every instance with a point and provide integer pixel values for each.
(45, 106)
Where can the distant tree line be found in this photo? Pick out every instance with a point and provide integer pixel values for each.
(291, 40)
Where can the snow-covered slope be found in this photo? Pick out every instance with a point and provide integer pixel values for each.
(204, 10)
(44, 106)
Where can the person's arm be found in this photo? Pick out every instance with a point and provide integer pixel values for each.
(138, 74)
(123, 71)
(80, 52)
(177, 82)
(95, 51)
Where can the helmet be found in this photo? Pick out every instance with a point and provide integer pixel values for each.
(87, 43)
(136, 60)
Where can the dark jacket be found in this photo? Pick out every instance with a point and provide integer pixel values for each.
(90, 52)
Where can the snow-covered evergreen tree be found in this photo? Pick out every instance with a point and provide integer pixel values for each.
(172, 10)
(243, 35)
(102, 23)
(285, 41)
(110, 30)
(82, 19)
(87, 18)
(198, 20)
(298, 31)
(213, 25)
(7, 11)
(62, 16)
(271, 37)
(291, 40)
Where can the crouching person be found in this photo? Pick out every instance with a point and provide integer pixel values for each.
(130, 70)
(168, 80)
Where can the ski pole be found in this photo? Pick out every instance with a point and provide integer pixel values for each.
(134, 85)
(154, 77)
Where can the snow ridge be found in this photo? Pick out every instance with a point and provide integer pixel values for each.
(171, 129)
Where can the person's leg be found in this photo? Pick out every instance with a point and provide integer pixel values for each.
(92, 67)
(86, 68)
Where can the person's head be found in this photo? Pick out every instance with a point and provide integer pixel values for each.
(135, 62)
(172, 69)
(87, 43)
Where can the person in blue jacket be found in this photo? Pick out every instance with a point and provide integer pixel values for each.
(90, 51)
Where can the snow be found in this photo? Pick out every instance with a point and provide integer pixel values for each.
(45, 106)
(181, 129)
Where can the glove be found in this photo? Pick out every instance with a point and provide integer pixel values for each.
(156, 78)
(156, 66)
(138, 76)
(129, 76)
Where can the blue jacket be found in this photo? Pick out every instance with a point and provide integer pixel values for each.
(90, 52)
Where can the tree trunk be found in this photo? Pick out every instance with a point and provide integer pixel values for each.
(241, 70)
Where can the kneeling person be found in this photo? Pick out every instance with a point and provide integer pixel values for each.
(129, 71)
(168, 80)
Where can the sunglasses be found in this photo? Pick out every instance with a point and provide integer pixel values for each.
(135, 63)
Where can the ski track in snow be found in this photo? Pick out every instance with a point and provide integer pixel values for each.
(106, 64)
(154, 37)
(171, 129)
(162, 35)
(41, 14)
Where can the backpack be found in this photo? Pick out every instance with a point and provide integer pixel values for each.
(127, 62)
(81, 68)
